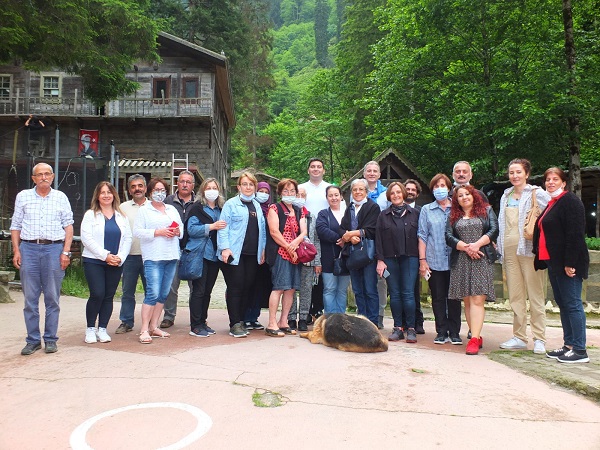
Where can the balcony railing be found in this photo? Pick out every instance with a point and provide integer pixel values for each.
(125, 107)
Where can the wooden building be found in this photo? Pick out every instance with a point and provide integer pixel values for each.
(183, 108)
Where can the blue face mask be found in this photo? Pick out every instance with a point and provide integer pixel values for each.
(440, 193)
(262, 197)
(289, 199)
(247, 198)
(299, 201)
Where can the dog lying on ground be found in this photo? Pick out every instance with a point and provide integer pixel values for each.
(347, 333)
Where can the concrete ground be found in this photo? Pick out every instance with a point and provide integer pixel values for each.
(188, 392)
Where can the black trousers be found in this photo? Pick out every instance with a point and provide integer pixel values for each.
(447, 312)
(102, 281)
(201, 292)
(240, 280)
(316, 300)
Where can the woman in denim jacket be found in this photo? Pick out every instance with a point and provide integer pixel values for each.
(241, 248)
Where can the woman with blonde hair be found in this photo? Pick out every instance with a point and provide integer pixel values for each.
(106, 238)
(201, 235)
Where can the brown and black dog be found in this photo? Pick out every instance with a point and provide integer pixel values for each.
(347, 333)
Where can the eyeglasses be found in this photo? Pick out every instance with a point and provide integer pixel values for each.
(185, 182)
(289, 192)
(160, 191)
(43, 175)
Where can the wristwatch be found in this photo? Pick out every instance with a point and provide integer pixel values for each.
(67, 254)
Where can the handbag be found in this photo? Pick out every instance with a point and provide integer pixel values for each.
(191, 263)
(339, 266)
(361, 254)
(306, 251)
(531, 217)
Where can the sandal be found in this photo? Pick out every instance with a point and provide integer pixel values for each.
(157, 332)
(145, 338)
(274, 333)
(288, 330)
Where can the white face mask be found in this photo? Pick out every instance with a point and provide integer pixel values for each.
(289, 199)
(262, 197)
(159, 196)
(299, 201)
(211, 195)
(556, 193)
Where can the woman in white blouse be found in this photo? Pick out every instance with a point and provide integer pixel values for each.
(159, 228)
(106, 238)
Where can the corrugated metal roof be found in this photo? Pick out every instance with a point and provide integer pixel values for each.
(143, 163)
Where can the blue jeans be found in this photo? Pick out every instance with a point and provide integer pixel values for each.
(364, 285)
(567, 294)
(41, 273)
(401, 283)
(133, 267)
(102, 281)
(159, 276)
(335, 293)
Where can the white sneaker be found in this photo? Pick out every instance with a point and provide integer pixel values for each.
(514, 343)
(90, 335)
(103, 335)
(538, 347)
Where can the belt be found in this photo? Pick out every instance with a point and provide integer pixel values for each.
(41, 241)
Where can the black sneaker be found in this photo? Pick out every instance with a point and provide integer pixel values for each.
(469, 335)
(302, 326)
(419, 328)
(554, 354)
(292, 324)
(309, 319)
(50, 347)
(208, 329)
(411, 336)
(29, 349)
(123, 328)
(256, 325)
(455, 340)
(573, 357)
(248, 325)
(243, 325)
(397, 334)
(441, 338)
(237, 331)
(199, 332)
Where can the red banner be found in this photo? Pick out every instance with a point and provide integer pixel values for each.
(88, 143)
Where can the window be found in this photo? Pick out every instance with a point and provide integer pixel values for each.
(160, 89)
(50, 86)
(5, 87)
(190, 90)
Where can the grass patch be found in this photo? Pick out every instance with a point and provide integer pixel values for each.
(266, 399)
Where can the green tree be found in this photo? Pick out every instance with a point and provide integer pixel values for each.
(322, 11)
(96, 39)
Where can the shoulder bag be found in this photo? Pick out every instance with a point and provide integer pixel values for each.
(191, 263)
(531, 217)
(361, 254)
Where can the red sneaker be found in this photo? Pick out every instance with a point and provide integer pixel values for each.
(480, 342)
(473, 346)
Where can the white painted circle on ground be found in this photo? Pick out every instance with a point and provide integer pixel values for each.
(78, 441)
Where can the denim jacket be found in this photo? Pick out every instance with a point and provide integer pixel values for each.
(232, 236)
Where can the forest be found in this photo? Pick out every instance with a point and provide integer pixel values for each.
(437, 80)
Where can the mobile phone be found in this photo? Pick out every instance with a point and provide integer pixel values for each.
(385, 273)
(174, 225)
(230, 259)
(427, 275)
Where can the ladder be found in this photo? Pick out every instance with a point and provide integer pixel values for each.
(177, 166)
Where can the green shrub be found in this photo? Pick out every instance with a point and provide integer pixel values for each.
(74, 284)
(593, 243)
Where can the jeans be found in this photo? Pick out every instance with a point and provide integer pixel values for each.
(41, 273)
(201, 292)
(159, 276)
(133, 267)
(567, 294)
(335, 293)
(401, 283)
(102, 281)
(364, 285)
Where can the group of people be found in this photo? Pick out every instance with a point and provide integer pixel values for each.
(380, 242)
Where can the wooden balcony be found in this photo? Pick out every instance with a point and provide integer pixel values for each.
(120, 108)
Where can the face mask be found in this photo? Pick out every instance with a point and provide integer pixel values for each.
(262, 197)
(440, 193)
(288, 198)
(556, 193)
(247, 198)
(159, 196)
(300, 202)
(211, 195)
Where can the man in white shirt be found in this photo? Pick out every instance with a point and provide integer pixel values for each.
(133, 267)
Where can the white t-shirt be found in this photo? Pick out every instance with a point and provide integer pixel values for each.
(316, 197)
